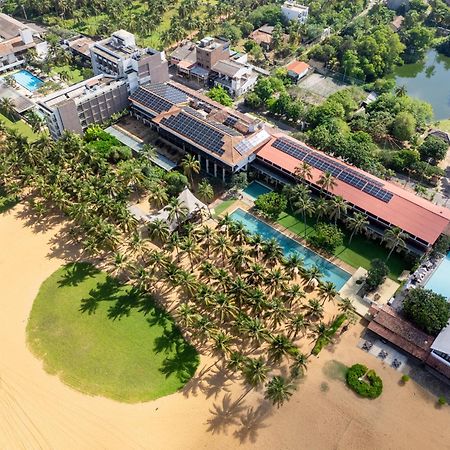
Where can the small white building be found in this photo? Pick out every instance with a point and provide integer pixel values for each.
(294, 11)
(236, 78)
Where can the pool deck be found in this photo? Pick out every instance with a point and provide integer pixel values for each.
(336, 261)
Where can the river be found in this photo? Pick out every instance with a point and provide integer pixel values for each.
(428, 80)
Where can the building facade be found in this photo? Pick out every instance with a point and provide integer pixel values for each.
(89, 102)
(294, 11)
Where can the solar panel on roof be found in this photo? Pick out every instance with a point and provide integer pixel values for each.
(168, 92)
(228, 130)
(324, 163)
(151, 101)
(197, 131)
(230, 121)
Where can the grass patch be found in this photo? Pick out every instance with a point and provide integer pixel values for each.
(219, 209)
(444, 125)
(359, 253)
(21, 126)
(324, 340)
(104, 338)
(74, 73)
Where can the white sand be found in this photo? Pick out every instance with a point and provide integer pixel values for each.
(38, 411)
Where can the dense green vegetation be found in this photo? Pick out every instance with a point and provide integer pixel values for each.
(376, 274)
(364, 382)
(426, 309)
(104, 338)
(327, 335)
(271, 205)
(7, 200)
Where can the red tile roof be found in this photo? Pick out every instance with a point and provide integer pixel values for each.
(298, 67)
(411, 213)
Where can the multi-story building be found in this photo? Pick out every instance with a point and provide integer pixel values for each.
(15, 39)
(294, 11)
(236, 78)
(92, 101)
(119, 56)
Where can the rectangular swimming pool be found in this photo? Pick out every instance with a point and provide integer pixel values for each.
(27, 80)
(440, 280)
(330, 271)
(255, 189)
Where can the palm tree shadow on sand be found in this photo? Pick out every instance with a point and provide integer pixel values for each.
(253, 421)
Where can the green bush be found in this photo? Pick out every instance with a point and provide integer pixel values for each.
(370, 387)
(376, 274)
(271, 204)
(327, 236)
(324, 340)
(405, 378)
(442, 400)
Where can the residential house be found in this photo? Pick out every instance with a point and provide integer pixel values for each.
(296, 70)
(263, 37)
(294, 11)
(236, 78)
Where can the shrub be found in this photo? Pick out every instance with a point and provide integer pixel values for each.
(327, 236)
(442, 400)
(405, 378)
(426, 309)
(370, 387)
(271, 204)
(433, 147)
(376, 274)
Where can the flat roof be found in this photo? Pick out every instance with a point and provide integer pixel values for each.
(20, 102)
(411, 213)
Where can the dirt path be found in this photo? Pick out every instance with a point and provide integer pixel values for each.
(38, 412)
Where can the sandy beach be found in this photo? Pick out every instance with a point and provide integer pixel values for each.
(37, 411)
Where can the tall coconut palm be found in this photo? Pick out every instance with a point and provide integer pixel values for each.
(319, 331)
(254, 328)
(191, 248)
(207, 235)
(255, 372)
(177, 211)
(222, 344)
(187, 315)
(327, 182)
(256, 274)
(205, 191)
(297, 324)
(357, 223)
(257, 300)
(239, 290)
(299, 365)
(338, 208)
(346, 306)
(281, 346)
(275, 279)
(276, 312)
(190, 166)
(314, 309)
(158, 230)
(303, 171)
(236, 361)
(394, 238)
(322, 208)
(272, 251)
(240, 259)
(157, 195)
(238, 232)
(207, 269)
(256, 243)
(293, 264)
(225, 222)
(327, 291)
(293, 293)
(279, 390)
(306, 206)
(312, 276)
(224, 306)
(222, 246)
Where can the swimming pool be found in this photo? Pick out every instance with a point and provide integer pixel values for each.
(27, 80)
(440, 280)
(255, 189)
(255, 226)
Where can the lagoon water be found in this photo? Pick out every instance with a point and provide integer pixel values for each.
(428, 80)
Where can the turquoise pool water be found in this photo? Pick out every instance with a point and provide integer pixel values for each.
(440, 280)
(255, 189)
(27, 80)
(255, 226)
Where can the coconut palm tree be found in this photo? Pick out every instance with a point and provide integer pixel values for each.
(191, 248)
(257, 300)
(314, 309)
(327, 291)
(204, 326)
(238, 232)
(338, 207)
(207, 269)
(207, 235)
(158, 230)
(222, 245)
(255, 372)
(293, 293)
(322, 208)
(279, 390)
(120, 263)
(275, 279)
(256, 274)
(357, 223)
(240, 259)
(279, 347)
(224, 306)
(312, 276)
(256, 243)
(186, 315)
(225, 222)
(239, 290)
(222, 344)
(190, 165)
(276, 312)
(394, 238)
(346, 306)
(177, 211)
(7, 106)
(305, 205)
(272, 252)
(299, 365)
(173, 242)
(296, 324)
(236, 361)
(157, 195)
(254, 328)
(293, 265)
(327, 182)
(205, 191)
(303, 171)
(319, 331)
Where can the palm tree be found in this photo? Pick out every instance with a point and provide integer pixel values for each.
(238, 232)
(255, 330)
(222, 245)
(303, 171)
(327, 182)
(395, 238)
(357, 223)
(205, 191)
(240, 259)
(338, 207)
(120, 263)
(64, 75)
(207, 269)
(280, 346)
(239, 289)
(272, 251)
(322, 208)
(327, 291)
(186, 315)
(276, 312)
(320, 331)
(256, 242)
(306, 206)
(222, 344)
(177, 211)
(255, 372)
(7, 106)
(224, 306)
(314, 309)
(275, 279)
(296, 324)
(299, 365)
(158, 230)
(157, 195)
(279, 390)
(191, 248)
(256, 274)
(257, 300)
(207, 234)
(346, 306)
(293, 264)
(187, 281)
(313, 276)
(190, 165)
(225, 222)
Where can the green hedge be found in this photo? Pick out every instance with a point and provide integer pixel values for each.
(370, 387)
(324, 340)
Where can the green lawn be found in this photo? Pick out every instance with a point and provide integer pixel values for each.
(103, 338)
(359, 253)
(20, 126)
(75, 73)
(219, 209)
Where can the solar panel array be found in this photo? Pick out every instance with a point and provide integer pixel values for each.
(338, 170)
(231, 121)
(151, 101)
(197, 131)
(225, 129)
(168, 92)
